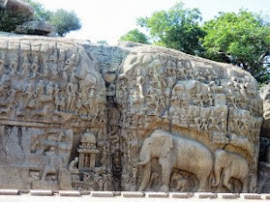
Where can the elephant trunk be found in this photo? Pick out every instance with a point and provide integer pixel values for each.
(217, 172)
(145, 161)
(145, 155)
(146, 177)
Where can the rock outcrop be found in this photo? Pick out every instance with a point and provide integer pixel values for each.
(35, 28)
(264, 165)
(133, 117)
(19, 10)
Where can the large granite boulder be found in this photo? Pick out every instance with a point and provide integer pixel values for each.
(74, 115)
(14, 12)
(19, 9)
(189, 114)
(35, 28)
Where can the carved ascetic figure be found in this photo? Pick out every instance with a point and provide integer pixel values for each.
(175, 152)
(230, 165)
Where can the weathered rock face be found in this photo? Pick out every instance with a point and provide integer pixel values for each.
(124, 118)
(264, 165)
(208, 115)
(35, 28)
(51, 92)
(18, 9)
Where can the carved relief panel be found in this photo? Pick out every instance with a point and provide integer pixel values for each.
(215, 106)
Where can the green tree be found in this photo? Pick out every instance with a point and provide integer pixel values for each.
(242, 39)
(64, 21)
(40, 12)
(136, 36)
(176, 28)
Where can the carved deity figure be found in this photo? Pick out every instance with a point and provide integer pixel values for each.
(71, 94)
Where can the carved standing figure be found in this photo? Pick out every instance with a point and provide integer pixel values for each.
(175, 152)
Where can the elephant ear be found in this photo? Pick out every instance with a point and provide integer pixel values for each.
(166, 146)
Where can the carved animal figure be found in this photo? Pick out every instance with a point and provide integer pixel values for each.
(175, 152)
(234, 166)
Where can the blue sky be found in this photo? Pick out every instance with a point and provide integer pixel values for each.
(110, 19)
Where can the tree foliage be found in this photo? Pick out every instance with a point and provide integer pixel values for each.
(176, 28)
(64, 21)
(135, 36)
(7, 24)
(240, 38)
(40, 12)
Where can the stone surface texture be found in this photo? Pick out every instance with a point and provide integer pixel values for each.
(35, 28)
(77, 116)
(18, 9)
(264, 166)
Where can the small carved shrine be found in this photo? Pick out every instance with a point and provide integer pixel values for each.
(87, 151)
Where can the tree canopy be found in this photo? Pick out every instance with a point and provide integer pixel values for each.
(176, 28)
(136, 36)
(64, 21)
(240, 38)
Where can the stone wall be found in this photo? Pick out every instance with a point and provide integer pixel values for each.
(79, 116)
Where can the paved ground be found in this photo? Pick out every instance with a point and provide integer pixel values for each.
(36, 196)
(29, 198)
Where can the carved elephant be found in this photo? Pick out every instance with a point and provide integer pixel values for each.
(175, 152)
(233, 166)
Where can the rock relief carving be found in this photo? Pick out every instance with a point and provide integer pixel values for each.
(77, 121)
(206, 102)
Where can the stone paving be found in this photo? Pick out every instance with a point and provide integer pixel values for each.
(74, 196)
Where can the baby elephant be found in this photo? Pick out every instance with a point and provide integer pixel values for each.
(234, 166)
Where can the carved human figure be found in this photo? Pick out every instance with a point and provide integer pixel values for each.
(171, 153)
(53, 163)
(25, 67)
(232, 166)
(69, 64)
(29, 94)
(34, 67)
(57, 100)
(71, 94)
(78, 104)
(214, 121)
(13, 68)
